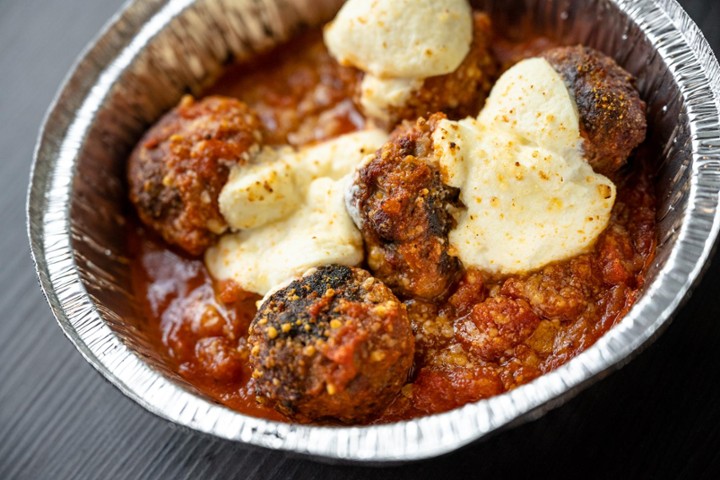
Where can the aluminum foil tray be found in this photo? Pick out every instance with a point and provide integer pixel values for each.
(154, 51)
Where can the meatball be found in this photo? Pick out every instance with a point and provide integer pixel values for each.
(612, 114)
(402, 207)
(177, 170)
(335, 345)
(220, 358)
(460, 93)
(562, 290)
(495, 326)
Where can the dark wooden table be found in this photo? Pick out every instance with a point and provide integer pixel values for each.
(659, 417)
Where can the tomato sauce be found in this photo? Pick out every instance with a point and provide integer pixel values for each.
(548, 316)
(300, 93)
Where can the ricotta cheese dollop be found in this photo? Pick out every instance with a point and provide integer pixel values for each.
(401, 38)
(290, 210)
(531, 197)
(379, 95)
(399, 43)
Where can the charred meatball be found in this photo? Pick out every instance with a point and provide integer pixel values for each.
(460, 93)
(612, 115)
(402, 208)
(177, 170)
(334, 345)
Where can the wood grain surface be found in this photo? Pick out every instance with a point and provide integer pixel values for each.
(659, 417)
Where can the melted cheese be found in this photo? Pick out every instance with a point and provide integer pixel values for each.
(318, 233)
(379, 95)
(401, 38)
(290, 209)
(531, 198)
(398, 44)
(262, 192)
(272, 186)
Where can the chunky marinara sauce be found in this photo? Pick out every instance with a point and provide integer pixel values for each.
(303, 96)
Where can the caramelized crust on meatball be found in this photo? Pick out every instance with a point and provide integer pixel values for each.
(335, 345)
(612, 115)
(460, 93)
(402, 208)
(177, 170)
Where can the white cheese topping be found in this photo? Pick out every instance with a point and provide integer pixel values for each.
(378, 95)
(261, 192)
(318, 233)
(273, 184)
(401, 38)
(289, 206)
(531, 198)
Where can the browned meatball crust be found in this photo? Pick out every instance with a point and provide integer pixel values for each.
(335, 345)
(612, 114)
(177, 170)
(460, 93)
(402, 207)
